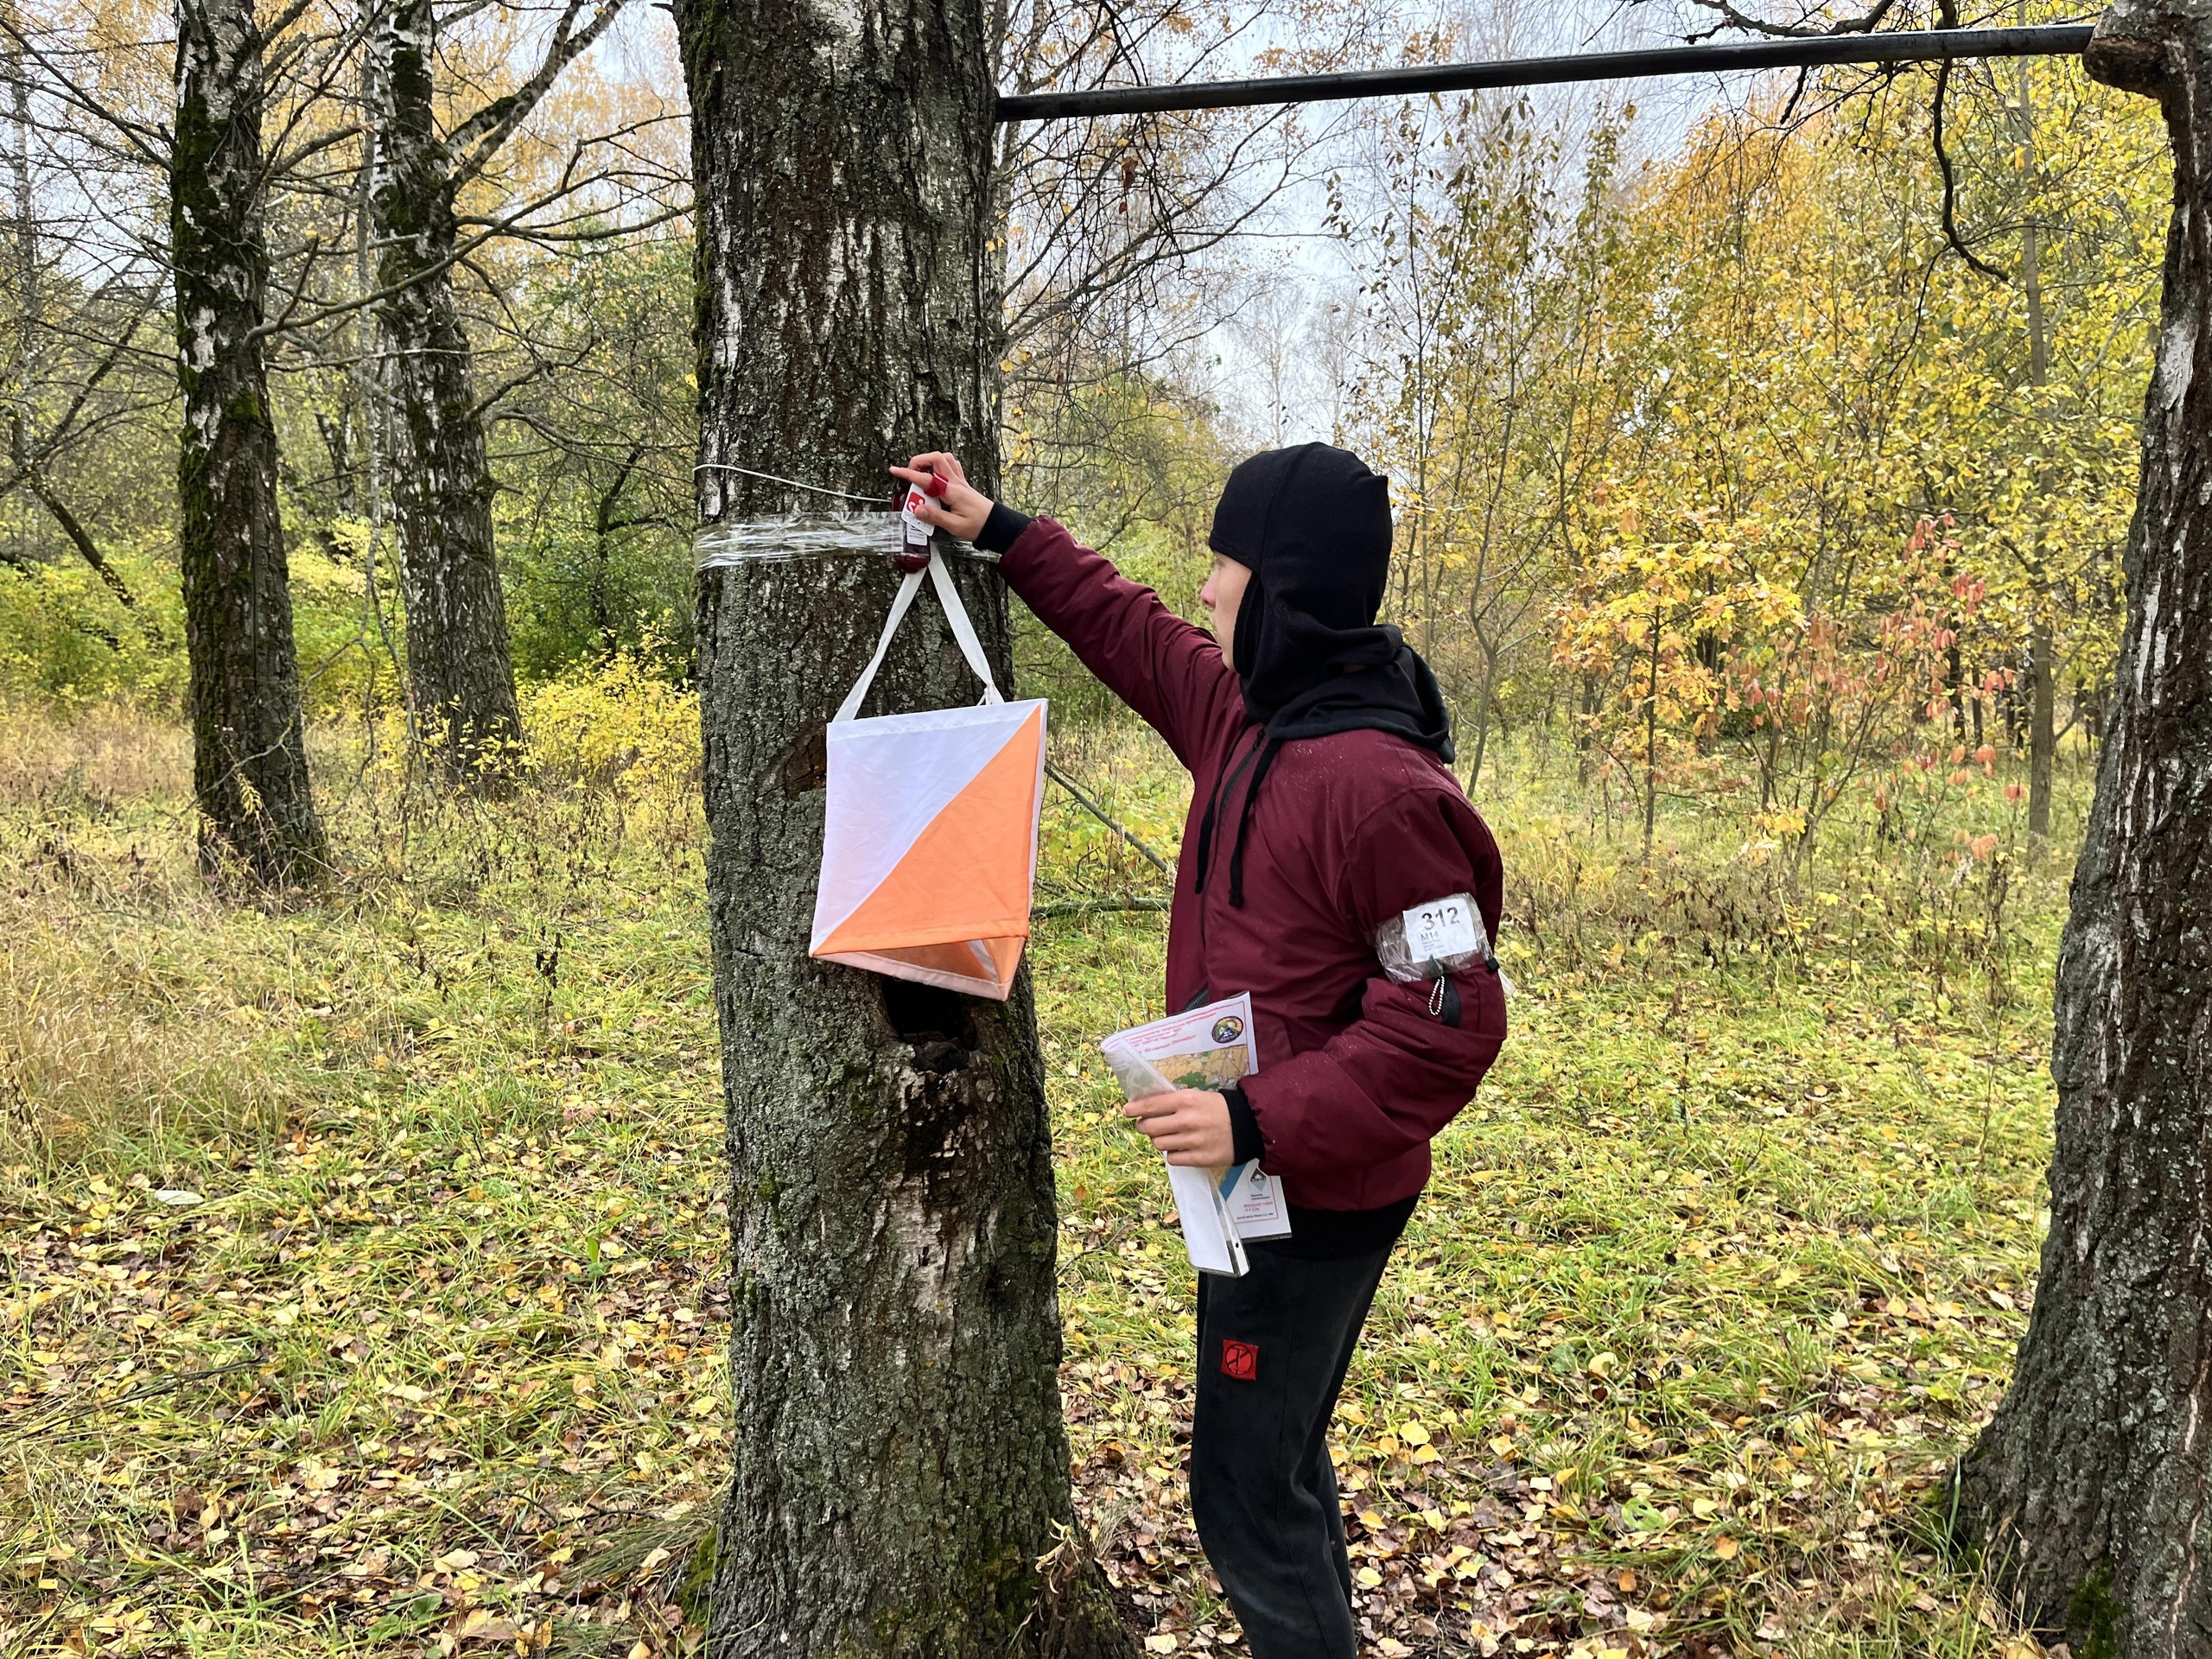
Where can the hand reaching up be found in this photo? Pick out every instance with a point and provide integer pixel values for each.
(956, 505)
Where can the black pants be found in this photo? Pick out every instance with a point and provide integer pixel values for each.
(1273, 1347)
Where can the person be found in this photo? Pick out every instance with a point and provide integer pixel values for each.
(1324, 809)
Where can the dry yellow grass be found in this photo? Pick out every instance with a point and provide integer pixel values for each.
(424, 1337)
(112, 1034)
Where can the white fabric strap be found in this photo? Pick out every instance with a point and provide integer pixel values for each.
(851, 705)
(963, 631)
(963, 635)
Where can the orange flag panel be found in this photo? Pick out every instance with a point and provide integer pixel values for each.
(981, 846)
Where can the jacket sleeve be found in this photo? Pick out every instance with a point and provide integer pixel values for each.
(1169, 671)
(1398, 1073)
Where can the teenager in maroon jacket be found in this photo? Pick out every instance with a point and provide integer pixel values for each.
(1324, 809)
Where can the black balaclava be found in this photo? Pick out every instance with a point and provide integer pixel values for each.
(1312, 524)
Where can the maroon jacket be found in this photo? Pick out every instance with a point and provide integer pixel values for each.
(1355, 1076)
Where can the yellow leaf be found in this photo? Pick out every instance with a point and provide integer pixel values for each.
(1725, 1548)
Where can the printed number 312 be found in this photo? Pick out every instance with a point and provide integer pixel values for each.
(1441, 928)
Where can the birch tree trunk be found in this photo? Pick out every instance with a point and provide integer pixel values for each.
(460, 670)
(249, 772)
(2089, 1489)
(900, 1467)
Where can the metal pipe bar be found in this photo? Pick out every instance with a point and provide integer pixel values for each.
(1904, 46)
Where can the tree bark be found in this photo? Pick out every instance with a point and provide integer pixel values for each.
(1482, 711)
(250, 771)
(2042, 721)
(605, 522)
(2043, 669)
(459, 670)
(900, 1468)
(2089, 1488)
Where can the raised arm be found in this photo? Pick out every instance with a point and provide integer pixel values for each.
(1168, 670)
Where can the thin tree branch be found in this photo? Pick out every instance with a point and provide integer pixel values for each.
(1951, 185)
(1864, 23)
(483, 133)
(1106, 818)
(149, 144)
(80, 538)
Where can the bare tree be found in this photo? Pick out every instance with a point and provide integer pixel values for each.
(1123, 235)
(80, 358)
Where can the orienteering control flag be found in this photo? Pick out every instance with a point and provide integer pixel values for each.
(929, 846)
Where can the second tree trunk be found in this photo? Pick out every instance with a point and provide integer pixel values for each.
(459, 671)
(900, 1479)
(2089, 1490)
(250, 769)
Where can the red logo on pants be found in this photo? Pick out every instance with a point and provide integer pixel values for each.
(1240, 1360)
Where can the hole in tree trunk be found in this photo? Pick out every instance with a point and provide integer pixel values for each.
(929, 1018)
(940, 1028)
(804, 766)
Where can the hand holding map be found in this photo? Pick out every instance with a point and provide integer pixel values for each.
(1208, 1047)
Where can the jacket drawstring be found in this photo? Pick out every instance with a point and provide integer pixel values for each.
(1213, 808)
(1269, 748)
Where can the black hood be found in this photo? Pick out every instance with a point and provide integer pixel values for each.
(1312, 524)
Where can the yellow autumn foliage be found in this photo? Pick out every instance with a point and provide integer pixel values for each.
(618, 725)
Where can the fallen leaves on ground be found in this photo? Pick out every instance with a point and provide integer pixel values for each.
(1720, 1271)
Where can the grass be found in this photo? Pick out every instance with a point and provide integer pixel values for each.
(362, 1286)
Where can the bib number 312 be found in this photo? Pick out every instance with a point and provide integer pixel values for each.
(1442, 927)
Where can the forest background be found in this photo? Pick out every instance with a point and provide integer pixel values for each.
(1761, 469)
(1708, 454)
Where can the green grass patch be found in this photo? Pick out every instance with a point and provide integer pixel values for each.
(375, 1303)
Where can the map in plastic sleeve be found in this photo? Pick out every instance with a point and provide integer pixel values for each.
(1208, 1047)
